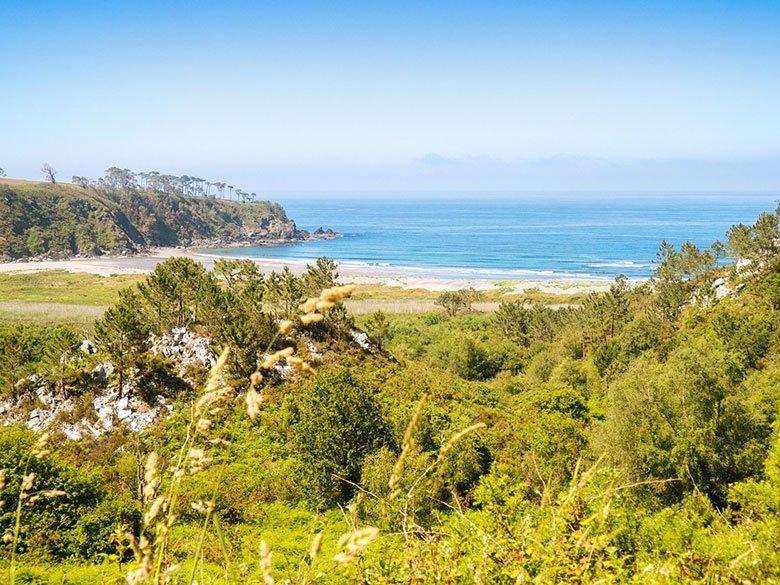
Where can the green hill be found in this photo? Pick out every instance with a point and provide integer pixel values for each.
(60, 220)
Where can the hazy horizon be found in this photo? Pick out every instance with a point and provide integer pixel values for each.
(350, 96)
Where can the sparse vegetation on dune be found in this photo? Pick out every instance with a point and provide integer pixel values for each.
(631, 438)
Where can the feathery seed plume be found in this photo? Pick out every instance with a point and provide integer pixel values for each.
(354, 542)
(253, 401)
(27, 482)
(325, 305)
(265, 563)
(310, 318)
(39, 450)
(202, 507)
(53, 493)
(310, 305)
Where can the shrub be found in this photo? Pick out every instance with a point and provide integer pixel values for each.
(338, 423)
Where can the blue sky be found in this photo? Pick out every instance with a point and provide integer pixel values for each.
(397, 95)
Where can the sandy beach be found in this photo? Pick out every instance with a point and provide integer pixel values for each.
(388, 276)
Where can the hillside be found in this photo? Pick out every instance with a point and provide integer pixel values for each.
(61, 220)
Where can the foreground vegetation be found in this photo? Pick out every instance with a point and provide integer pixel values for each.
(632, 438)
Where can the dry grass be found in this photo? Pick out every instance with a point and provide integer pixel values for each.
(49, 313)
(405, 306)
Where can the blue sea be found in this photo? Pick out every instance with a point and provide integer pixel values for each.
(521, 236)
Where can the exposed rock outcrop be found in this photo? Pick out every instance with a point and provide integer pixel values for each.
(42, 406)
(52, 410)
(185, 349)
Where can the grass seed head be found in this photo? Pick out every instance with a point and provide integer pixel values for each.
(39, 450)
(253, 401)
(353, 543)
(154, 510)
(316, 543)
(202, 507)
(310, 318)
(27, 482)
(265, 563)
(198, 459)
(53, 493)
(310, 305)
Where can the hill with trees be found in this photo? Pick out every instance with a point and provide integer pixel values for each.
(121, 216)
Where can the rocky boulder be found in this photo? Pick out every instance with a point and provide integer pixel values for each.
(185, 349)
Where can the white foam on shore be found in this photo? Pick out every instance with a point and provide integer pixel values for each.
(452, 272)
(621, 264)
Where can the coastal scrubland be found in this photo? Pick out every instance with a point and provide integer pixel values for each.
(629, 436)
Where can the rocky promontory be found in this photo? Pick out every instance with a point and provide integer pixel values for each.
(58, 221)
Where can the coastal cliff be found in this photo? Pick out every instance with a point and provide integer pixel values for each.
(44, 220)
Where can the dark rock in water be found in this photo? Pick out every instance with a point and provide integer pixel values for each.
(324, 234)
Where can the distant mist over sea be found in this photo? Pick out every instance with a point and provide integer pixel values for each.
(572, 236)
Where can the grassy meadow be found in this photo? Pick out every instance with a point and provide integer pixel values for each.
(57, 296)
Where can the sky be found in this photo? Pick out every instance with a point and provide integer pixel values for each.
(286, 96)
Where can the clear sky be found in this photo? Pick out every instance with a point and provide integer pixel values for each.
(397, 95)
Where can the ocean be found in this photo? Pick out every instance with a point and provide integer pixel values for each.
(521, 236)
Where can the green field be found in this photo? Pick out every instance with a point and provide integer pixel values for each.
(60, 297)
(67, 288)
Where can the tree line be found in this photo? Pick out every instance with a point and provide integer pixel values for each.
(127, 180)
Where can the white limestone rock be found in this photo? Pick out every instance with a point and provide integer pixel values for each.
(185, 349)
(362, 340)
(87, 347)
(102, 372)
(315, 354)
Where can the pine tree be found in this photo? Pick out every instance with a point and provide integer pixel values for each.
(59, 354)
(320, 276)
(378, 328)
(123, 337)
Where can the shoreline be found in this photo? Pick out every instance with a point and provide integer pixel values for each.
(367, 275)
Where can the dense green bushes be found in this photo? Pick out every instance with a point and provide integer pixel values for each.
(337, 422)
(74, 524)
